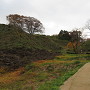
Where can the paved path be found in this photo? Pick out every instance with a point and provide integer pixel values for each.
(79, 81)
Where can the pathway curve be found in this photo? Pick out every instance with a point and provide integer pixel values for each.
(79, 81)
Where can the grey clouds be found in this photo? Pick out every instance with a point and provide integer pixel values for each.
(54, 14)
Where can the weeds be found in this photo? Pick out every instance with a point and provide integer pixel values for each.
(43, 74)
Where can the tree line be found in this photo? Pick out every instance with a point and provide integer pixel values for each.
(32, 25)
(76, 42)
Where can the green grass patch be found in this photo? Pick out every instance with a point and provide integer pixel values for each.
(73, 57)
(55, 84)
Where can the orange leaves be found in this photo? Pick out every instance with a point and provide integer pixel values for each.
(69, 45)
(72, 44)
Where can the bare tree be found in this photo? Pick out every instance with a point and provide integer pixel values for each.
(87, 26)
(76, 40)
(28, 24)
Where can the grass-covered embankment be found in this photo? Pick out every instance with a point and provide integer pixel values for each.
(43, 74)
(18, 48)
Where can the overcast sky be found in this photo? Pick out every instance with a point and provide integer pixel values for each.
(54, 14)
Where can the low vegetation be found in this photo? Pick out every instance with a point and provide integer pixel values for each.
(42, 74)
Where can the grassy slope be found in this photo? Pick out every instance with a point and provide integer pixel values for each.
(18, 46)
(43, 74)
(11, 37)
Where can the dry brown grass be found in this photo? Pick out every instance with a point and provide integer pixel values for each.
(11, 76)
(50, 61)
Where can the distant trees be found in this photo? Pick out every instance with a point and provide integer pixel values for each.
(75, 35)
(86, 46)
(28, 24)
(64, 35)
(74, 38)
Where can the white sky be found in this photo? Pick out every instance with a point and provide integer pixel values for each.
(54, 14)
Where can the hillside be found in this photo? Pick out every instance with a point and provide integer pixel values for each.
(30, 62)
(18, 46)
